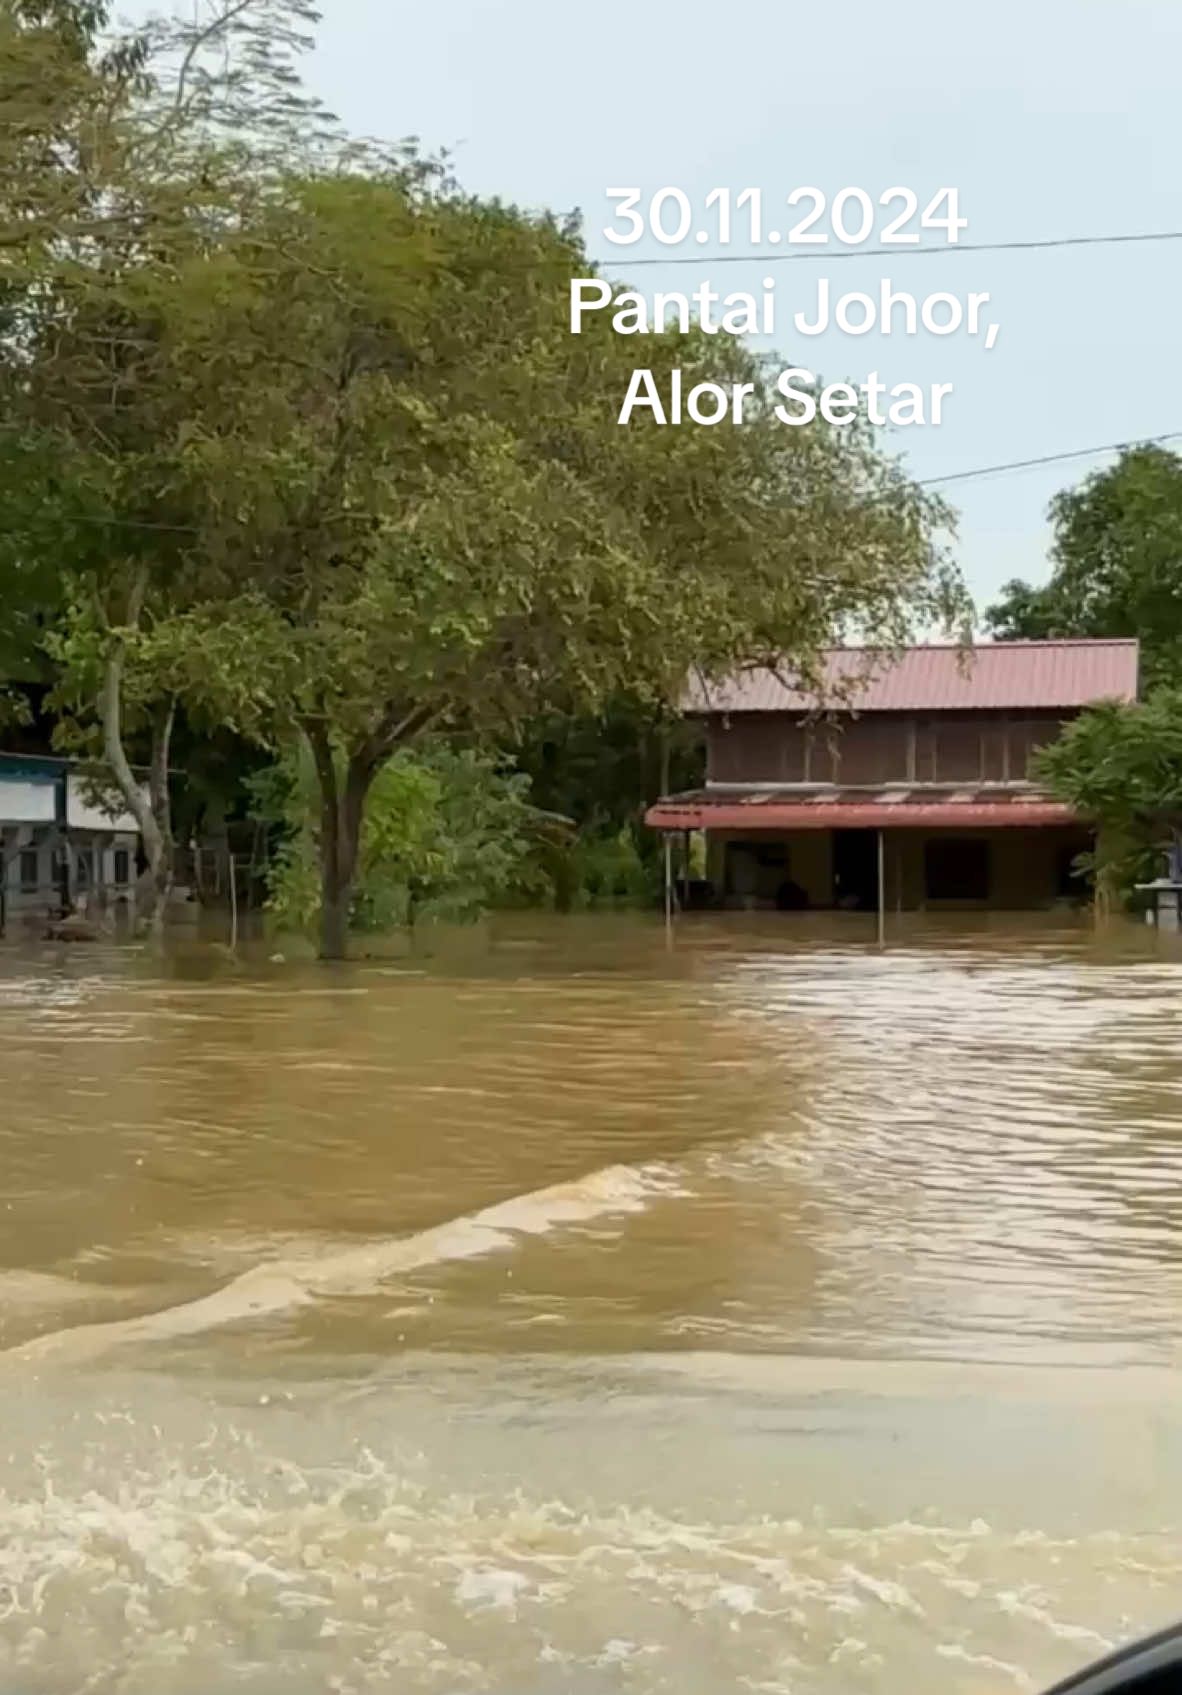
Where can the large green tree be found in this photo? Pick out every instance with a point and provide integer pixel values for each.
(447, 834)
(1116, 563)
(1120, 765)
(322, 459)
(436, 524)
(54, 88)
(127, 166)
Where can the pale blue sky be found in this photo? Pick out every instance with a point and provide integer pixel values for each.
(1052, 117)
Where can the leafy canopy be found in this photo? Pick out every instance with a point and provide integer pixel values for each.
(447, 834)
(302, 437)
(411, 479)
(1117, 564)
(1121, 765)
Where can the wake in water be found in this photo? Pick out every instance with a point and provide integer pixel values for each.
(284, 1285)
(243, 1568)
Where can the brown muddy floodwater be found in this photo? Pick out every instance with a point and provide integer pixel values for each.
(557, 1314)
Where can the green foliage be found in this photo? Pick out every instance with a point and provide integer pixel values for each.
(293, 885)
(15, 711)
(602, 770)
(129, 165)
(1121, 766)
(1027, 612)
(1116, 866)
(305, 440)
(609, 870)
(1120, 762)
(1117, 564)
(414, 510)
(447, 836)
(435, 516)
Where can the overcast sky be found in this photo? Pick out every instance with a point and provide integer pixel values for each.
(1052, 118)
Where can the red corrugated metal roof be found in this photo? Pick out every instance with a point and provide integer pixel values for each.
(855, 809)
(997, 675)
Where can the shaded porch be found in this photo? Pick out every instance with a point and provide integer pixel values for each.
(895, 849)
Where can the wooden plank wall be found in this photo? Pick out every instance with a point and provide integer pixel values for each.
(990, 747)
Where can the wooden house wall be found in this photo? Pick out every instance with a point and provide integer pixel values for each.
(878, 748)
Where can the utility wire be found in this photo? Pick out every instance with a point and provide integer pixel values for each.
(771, 257)
(920, 482)
(1048, 459)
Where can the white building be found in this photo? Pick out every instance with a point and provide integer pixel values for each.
(57, 846)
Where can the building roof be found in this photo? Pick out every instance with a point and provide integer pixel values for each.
(1021, 675)
(899, 807)
(31, 767)
(43, 789)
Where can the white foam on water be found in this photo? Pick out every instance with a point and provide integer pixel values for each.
(1020, 1607)
(32, 1291)
(285, 1285)
(987, 1663)
(889, 1593)
(491, 1588)
(133, 1571)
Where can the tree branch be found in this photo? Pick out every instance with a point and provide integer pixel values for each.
(200, 40)
(392, 729)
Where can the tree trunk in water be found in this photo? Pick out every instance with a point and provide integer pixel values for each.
(339, 843)
(342, 811)
(151, 811)
(162, 869)
(334, 923)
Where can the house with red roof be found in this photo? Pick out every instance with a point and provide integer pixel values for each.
(894, 781)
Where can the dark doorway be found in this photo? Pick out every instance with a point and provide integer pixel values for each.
(1071, 883)
(956, 868)
(855, 870)
(755, 870)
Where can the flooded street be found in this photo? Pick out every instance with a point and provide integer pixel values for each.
(557, 1313)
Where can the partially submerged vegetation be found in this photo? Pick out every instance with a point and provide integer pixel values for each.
(296, 449)
(446, 836)
(1117, 571)
(1121, 766)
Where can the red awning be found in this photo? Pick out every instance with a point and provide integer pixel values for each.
(892, 810)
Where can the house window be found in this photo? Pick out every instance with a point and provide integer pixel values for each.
(956, 868)
(84, 871)
(122, 867)
(30, 870)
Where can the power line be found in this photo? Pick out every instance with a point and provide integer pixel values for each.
(113, 522)
(826, 254)
(1049, 459)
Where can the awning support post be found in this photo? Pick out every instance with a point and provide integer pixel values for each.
(881, 887)
(668, 886)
